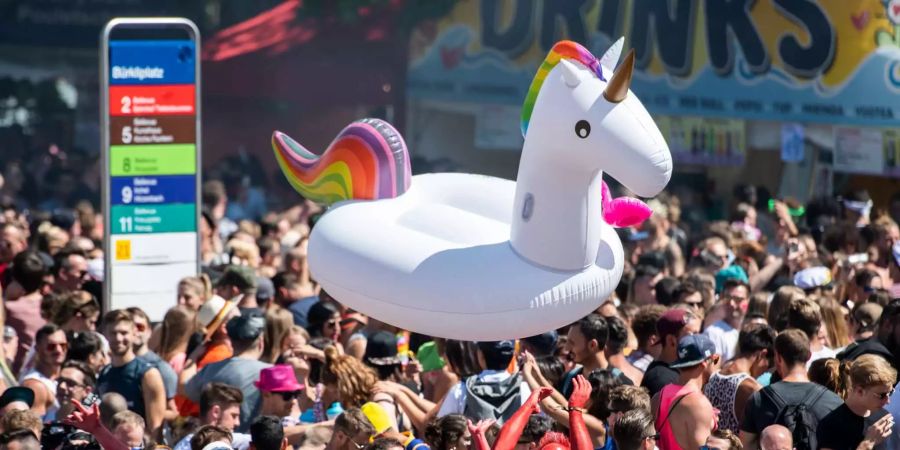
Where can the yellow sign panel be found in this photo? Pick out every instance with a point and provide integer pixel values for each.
(123, 250)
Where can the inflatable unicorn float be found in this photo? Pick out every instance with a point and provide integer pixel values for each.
(474, 257)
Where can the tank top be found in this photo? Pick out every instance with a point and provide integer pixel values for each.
(667, 396)
(127, 381)
(33, 374)
(721, 391)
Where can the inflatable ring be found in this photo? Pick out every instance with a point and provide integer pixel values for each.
(474, 257)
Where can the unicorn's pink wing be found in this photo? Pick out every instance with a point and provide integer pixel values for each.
(623, 211)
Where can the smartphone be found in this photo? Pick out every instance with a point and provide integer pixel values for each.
(858, 258)
(150, 136)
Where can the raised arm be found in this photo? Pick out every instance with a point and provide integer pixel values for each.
(578, 432)
(512, 429)
(479, 440)
(89, 420)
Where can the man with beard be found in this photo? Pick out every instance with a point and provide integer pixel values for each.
(143, 330)
(137, 381)
(220, 405)
(731, 309)
(75, 382)
(586, 346)
(50, 353)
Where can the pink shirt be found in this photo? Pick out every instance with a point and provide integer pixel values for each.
(24, 315)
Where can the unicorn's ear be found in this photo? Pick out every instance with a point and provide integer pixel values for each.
(611, 57)
(571, 73)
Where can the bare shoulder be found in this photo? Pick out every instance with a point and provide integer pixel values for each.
(749, 386)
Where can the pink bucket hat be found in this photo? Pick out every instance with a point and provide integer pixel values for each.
(278, 378)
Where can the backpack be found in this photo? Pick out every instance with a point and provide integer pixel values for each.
(798, 417)
(497, 400)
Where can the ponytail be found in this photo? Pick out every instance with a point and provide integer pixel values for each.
(832, 374)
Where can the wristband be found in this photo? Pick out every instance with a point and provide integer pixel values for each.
(573, 409)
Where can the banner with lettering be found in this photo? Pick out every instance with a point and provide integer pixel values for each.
(830, 61)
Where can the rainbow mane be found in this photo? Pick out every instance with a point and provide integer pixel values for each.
(562, 49)
(368, 160)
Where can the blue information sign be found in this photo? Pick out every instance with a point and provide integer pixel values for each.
(153, 190)
(151, 62)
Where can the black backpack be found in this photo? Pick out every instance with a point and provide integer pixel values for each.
(798, 417)
(497, 400)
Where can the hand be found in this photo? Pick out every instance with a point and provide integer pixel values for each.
(83, 418)
(413, 368)
(386, 387)
(880, 430)
(198, 353)
(481, 427)
(581, 391)
(310, 352)
(391, 434)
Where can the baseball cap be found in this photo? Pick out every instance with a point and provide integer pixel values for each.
(693, 350)
(17, 394)
(497, 349)
(867, 314)
(241, 277)
(248, 326)
(265, 289)
(812, 278)
(545, 343)
(671, 322)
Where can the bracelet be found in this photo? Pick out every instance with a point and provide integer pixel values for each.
(573, 409)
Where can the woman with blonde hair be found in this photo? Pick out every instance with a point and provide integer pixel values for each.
(192, 292)
(835, 327)
(176, 329)
(278, 323)
(862, 421)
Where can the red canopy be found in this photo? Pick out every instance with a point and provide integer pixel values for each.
(279, 56)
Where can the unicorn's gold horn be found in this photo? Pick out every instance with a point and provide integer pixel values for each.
(617, 88)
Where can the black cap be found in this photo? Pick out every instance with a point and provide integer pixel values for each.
(381, 349)
(17, 394)
(248, 326)
(544, 343)
(497, 349)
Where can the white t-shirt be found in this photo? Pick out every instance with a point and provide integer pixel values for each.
(455, 402)
(825, 352)
(724, 337)
(239, 441)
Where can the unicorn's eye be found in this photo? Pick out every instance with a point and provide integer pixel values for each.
(582, 128)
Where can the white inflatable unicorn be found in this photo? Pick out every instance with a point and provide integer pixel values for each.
(473, 257)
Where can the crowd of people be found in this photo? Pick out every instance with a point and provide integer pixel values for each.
(775, 329)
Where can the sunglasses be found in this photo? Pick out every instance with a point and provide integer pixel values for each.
(288, 396)
(883, 395)
(53, 345)
(350, 438)
(68, 382)
(655, 437)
